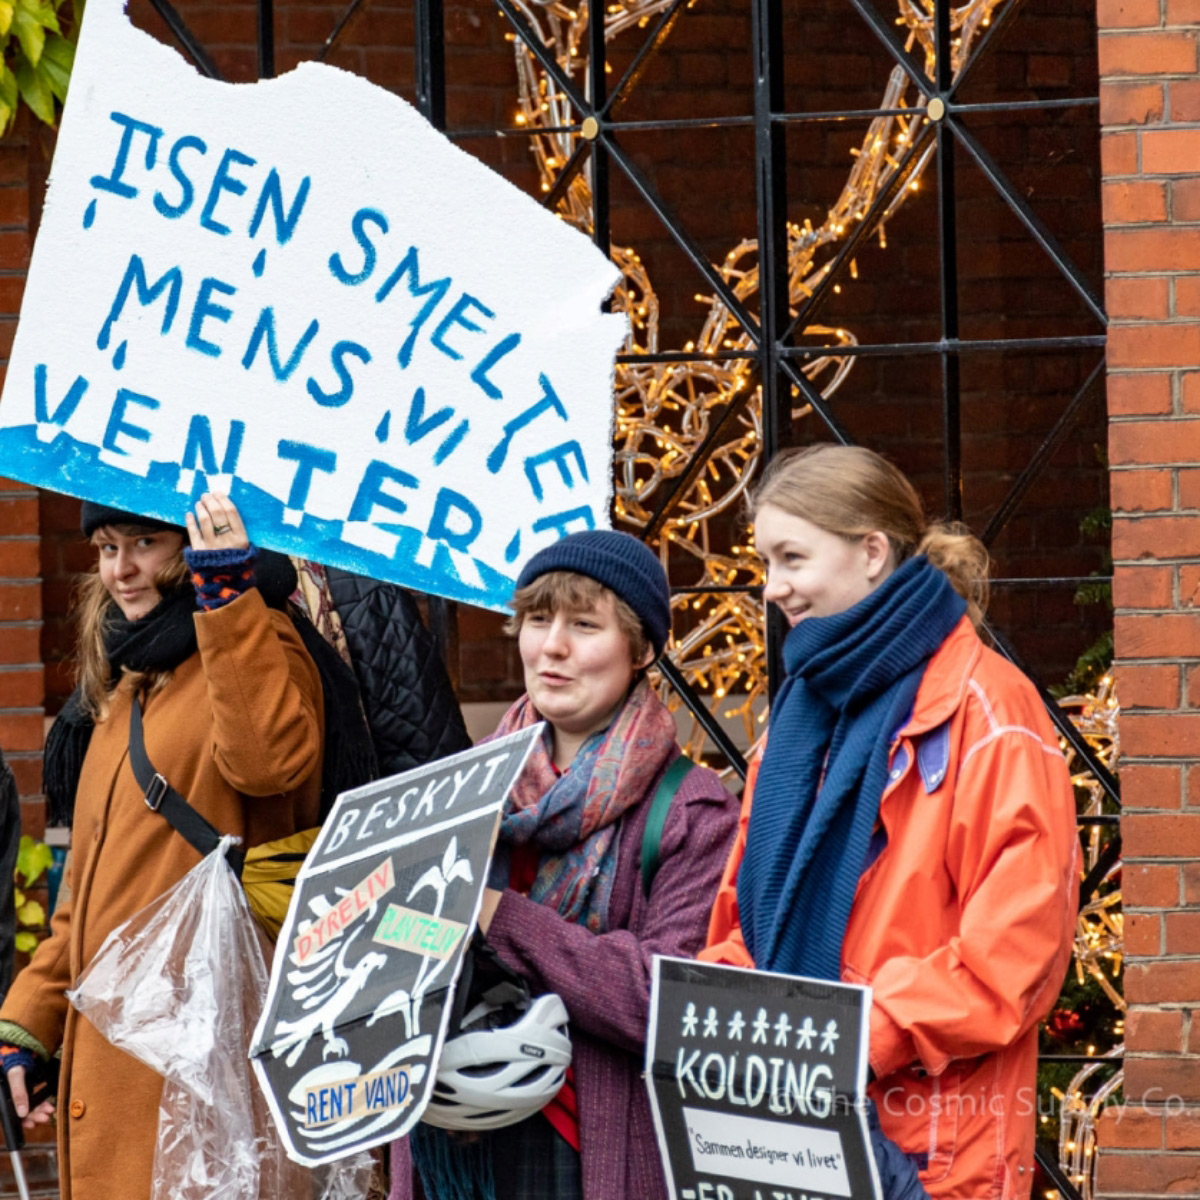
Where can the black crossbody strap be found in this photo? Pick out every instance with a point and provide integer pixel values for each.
(163, 799)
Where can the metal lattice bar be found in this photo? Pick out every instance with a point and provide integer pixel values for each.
(948, 246)
(266, 39)
(957, 345)
(186, 39)
(545, 57)
(865, 227)
(1032, 222)
(648, 49)
(991, 38)
(429, 31)
(571, 168)
(337, 30)
(684, 239)
(1041, 457)
(885, 31)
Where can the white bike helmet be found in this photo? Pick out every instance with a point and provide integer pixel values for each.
(500, 1070)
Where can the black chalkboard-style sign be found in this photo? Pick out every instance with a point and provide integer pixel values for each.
(758, 1084)
(371, 948)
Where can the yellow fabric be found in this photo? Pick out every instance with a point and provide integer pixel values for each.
(269, 876)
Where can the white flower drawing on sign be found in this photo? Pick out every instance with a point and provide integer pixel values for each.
(439, 878)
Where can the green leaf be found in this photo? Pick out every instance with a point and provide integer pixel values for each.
(8, 89)
(26, 942)
(6, 16)
(44, 12)
(31, 913)
(30, 34)
(58, 57)
(33, 858)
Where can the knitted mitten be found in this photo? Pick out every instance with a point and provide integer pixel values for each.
(220, 576)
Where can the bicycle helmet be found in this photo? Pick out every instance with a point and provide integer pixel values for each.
(507, 1063)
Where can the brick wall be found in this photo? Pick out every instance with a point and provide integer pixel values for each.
(1150, 109)
(21, 674)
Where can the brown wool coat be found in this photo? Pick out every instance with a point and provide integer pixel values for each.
(239, 731)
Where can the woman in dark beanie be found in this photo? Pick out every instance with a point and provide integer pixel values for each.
(233, 693)
(567, 907)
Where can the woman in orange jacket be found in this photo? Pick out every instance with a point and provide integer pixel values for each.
(910, 824)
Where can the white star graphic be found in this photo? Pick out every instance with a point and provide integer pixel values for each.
(782, 1028)
(689, 1020)
(760, 1027)
(829, 1035)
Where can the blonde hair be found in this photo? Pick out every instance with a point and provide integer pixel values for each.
(852, 491)
(95, 610)
(568, 591)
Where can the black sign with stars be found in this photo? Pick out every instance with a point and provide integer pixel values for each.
(758, 1084)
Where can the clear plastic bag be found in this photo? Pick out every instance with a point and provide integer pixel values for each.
(180, 986)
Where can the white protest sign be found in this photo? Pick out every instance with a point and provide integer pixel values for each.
(299, 292)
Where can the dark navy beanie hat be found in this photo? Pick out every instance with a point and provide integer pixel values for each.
(96, 516)
(619, 561)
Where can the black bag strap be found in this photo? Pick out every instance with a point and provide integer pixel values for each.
(656, 822)
(163, 799)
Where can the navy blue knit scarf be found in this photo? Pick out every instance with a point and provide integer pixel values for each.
(851, 680)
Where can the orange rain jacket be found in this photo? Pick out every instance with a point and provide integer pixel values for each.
(963, 925)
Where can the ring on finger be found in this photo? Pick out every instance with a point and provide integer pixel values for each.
(220, 529)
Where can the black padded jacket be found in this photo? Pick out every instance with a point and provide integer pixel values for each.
(406, 694)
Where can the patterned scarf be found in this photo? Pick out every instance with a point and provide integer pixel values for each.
(573, 817)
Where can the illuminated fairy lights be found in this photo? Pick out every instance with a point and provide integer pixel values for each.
(664, 412)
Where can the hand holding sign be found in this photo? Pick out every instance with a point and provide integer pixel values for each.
(216, 524)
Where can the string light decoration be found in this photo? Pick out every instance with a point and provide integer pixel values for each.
(664, 412)
(1098, 936)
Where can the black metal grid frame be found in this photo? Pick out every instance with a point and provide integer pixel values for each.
(772, 333)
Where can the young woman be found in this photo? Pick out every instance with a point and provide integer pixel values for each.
(912, 824)
(568, 909)
(234, 719)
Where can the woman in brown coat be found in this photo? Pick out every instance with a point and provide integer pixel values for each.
(234, 719)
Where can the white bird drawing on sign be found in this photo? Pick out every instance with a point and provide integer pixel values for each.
(324, 988)
(439, 878)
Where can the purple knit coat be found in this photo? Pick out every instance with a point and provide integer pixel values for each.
(604, 980)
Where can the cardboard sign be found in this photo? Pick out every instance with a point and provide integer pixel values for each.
(371, 947)
(758, 1083)
(300, 293)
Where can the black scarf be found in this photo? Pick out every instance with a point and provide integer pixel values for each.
(163, 639)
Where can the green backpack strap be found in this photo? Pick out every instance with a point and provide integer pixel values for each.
(670, 783)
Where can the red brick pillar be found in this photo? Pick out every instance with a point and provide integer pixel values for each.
(1150, 112)
(21, 687)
